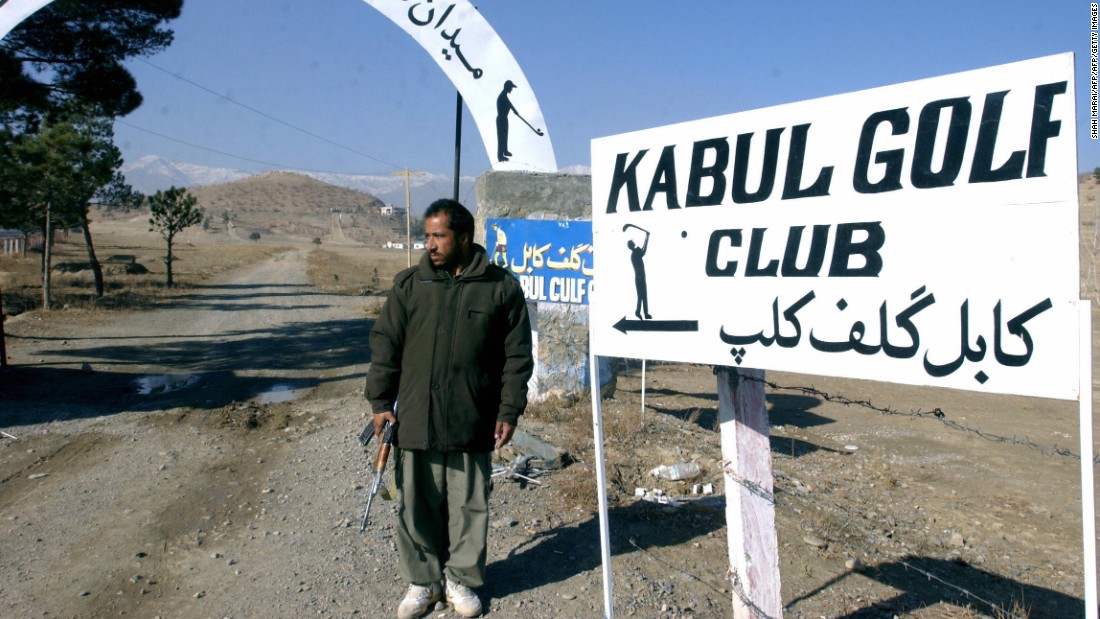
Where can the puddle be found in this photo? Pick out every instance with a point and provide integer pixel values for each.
(164, 383)
(278, 393)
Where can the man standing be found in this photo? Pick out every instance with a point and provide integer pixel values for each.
(452, 346)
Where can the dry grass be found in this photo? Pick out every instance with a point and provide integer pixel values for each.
(572, 423)
(1089, 193)
(71, 285)
(134, 270)
(576, 486)
(1019, 610)
(133, 257)
(356, 270)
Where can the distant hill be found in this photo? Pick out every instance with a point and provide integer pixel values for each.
(295, 205)
(283, 192)
(151, 173)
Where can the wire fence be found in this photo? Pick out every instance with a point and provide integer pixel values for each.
(937, 414)
(791, 504)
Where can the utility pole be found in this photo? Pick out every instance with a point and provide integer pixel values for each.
(408, 213)
(3, 345)
(46, 259)
(458, 143)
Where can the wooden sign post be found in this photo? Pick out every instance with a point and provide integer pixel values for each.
(750, 503)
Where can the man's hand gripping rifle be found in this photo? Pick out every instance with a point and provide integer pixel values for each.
(384, 448)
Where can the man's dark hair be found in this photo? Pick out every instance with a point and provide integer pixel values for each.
(459, 219)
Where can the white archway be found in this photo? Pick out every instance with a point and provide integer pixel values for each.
(473, 57)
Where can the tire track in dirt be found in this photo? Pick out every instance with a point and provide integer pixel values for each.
(132, 499)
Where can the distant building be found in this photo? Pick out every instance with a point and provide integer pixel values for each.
(393, 211)
(17, 242)
(12, 243)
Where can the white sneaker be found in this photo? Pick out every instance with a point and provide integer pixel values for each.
(418, 600)
(464, 600)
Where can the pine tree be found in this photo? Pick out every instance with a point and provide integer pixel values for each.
(71, 51)
(173, 211)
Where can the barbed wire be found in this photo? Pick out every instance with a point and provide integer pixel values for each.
(806, 524)
(782, 499)
(747, 484)
(735, 582)
(965, 592)
(936, 413)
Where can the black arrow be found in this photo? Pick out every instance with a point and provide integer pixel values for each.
(625, 325)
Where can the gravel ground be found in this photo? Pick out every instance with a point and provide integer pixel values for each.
(234, 487)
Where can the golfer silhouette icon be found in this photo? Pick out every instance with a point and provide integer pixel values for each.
(637, 259)
(504, 107)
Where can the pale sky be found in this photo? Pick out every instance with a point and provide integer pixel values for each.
(335, 86)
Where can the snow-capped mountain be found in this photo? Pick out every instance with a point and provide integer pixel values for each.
(577, 170)
(153, 173)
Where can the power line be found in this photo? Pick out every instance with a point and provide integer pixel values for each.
(266, 163)
(268, 116)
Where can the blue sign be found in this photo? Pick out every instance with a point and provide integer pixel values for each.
(551, 259)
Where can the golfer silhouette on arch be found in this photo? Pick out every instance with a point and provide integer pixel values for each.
(504, 106)
(637, 259)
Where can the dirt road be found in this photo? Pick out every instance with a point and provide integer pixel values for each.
(200, 460)
(109, 508)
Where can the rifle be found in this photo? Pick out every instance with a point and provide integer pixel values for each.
(379, 463)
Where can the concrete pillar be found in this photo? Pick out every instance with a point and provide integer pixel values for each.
(560, 331)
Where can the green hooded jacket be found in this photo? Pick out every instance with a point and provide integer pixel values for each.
(454, 352)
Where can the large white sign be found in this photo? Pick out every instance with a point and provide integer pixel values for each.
(923, 233)
(12, 12)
